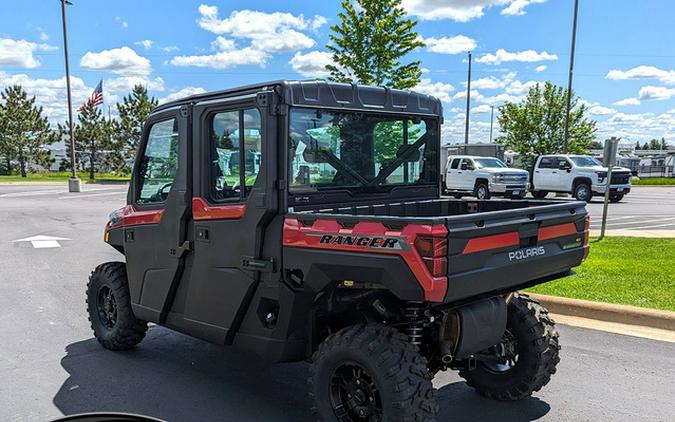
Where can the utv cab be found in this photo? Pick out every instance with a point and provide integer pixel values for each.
(304, 221)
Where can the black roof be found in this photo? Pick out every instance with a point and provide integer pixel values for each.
(317, 93)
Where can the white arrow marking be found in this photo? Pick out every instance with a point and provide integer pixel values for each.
(43, 242)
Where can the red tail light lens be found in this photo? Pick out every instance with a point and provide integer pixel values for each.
(434, 251)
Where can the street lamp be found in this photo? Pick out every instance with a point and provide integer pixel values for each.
(74, 184)
(571, 75)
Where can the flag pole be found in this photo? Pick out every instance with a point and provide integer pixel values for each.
(74, 183)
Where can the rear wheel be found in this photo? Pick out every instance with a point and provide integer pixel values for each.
(109, 308)
(582, 192)
(524, 360)
(482, 191)
(539, 194)
(616, 198)
(371, 373)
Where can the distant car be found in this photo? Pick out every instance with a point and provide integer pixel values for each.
(484, 177)
(581, 176)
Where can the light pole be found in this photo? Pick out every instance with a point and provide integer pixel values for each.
(492, 119)
(74, 184)
(571, 75)
(468, 102)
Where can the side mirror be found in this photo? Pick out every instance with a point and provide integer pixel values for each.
(564, 165)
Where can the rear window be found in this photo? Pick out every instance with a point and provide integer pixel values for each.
(546, 163)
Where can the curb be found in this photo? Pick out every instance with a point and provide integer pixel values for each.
(622, 314)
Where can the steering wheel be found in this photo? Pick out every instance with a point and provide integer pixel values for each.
(160, 192)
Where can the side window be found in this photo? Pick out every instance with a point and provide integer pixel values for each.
(455, 164)
(236, 153)
(159, 162)
(469, 164)
(546, 163)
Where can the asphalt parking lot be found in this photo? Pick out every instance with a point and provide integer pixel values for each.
(50, 365)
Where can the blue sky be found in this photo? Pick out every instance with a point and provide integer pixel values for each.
(625, 64)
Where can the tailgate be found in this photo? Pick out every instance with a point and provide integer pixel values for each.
(502, 251)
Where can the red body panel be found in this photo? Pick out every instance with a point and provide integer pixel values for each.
(299, 236)
(487, 243)
(560, 230)
(203, 211)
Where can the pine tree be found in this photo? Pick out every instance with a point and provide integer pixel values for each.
(91, 137)
(26, 131)
(5, 146)
(368, 44)
(133, 110)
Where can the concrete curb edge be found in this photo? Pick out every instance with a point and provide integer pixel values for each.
(622, 314)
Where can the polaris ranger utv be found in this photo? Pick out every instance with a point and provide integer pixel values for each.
(304, 221)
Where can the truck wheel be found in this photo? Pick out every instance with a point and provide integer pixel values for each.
(616, 198)
(582, 192)
(371, 373)
(482, 191)
(525, 359)
(109, 308)
(539, 194)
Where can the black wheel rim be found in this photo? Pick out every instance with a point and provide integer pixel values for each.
(107, 307)
(505, 356)
(354, 395)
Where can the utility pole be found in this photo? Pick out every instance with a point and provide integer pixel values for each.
(74, 184)
(492, 118)
(569, 82)
(468, 102)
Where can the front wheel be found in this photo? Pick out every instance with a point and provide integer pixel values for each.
(582, 192)
(482, 191)
(616, 198)
(109, 308)
(524, 360)
(371, 373)
(539, 194)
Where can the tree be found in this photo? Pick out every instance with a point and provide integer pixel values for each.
(656, 144)
(91, 137)
(133, 110)
(5, 146)
(367, 45)
(595, 145)
(26, 131)
(537, 125)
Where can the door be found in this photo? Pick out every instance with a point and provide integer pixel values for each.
(543, 174)
(451, 178)
(563, 179)
(155, 230)
(466, 178)
(230, 213)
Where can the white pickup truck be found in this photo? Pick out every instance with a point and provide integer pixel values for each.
(581, 176)
(483, 177)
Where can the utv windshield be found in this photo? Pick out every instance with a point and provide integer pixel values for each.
(330, 150)
(585, 161)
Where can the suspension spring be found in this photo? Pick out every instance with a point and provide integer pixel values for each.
(414, 318)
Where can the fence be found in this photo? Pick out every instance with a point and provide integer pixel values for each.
(655, 171)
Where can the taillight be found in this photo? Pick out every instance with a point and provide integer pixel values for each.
(587, 233)
(434, 252)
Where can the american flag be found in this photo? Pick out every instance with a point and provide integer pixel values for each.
(96, 97)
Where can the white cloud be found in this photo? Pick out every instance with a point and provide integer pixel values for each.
(169, 49)
(51, 93)
(599, 110)
(19, 53)
(125, 84)
(43, 36)
(487, 83)
(121, 61)
(185, 92)
(222, 44)
(312, 64)
(519, 88)
(541, 68)
(643, 72)
(463, 10)
(122, 22)
(318, 22)
(453, 45)
(658, 93)
(481, 109)
(224, 59)
(627, 102)
(439, 90)
(517, 7)
(270, 32)
(147, 44)
(529, 56)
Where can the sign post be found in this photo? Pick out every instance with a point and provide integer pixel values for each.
(609, 160)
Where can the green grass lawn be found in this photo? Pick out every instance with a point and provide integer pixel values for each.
(626, 270)
(656, 181)
(63, 177)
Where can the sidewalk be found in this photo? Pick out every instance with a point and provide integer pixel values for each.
(665, 234)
